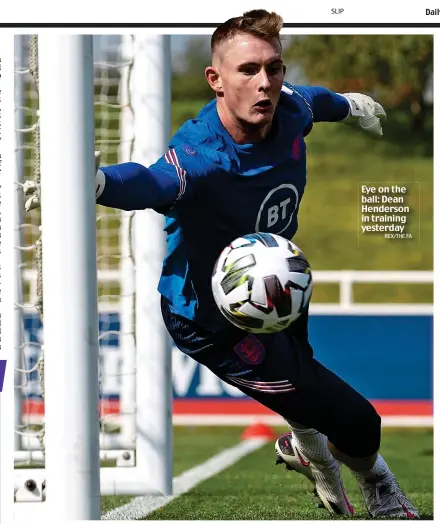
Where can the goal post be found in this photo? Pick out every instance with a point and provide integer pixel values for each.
(154, 396)
(68, 219)
(91, 302)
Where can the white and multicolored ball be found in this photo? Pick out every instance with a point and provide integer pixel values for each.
(262, 282)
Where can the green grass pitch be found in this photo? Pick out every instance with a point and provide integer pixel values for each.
(255, 489)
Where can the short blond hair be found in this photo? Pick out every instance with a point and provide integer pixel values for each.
(257, 22)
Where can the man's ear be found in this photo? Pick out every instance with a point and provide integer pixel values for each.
(284, 70)
(214, 79)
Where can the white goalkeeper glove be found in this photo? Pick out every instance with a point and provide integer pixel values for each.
(364, 113)
(31, 189)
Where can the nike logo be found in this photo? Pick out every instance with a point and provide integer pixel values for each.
(302, 459)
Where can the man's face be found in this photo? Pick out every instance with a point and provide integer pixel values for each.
(251, 74)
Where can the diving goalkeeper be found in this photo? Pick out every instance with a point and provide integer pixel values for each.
(238, 168)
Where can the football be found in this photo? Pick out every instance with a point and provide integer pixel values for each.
(262, 282)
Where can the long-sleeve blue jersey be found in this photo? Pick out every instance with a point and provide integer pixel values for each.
(212, 190)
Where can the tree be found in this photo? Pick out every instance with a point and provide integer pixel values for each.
(395, 69)
(189, 81)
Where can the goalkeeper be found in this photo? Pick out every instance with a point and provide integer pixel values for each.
(240, 167)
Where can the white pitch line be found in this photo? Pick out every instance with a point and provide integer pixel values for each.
(141, 506)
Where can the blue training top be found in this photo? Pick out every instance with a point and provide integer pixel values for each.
(212, 190)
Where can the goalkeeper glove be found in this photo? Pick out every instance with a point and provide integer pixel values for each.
(31, 189)
(365, 113)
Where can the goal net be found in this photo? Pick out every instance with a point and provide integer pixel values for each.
(131, 121)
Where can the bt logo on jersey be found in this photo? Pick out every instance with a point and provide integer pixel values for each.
(274, 212)
(277, 209)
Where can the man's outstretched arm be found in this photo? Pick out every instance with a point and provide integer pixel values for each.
(131, 186)
(354, 109)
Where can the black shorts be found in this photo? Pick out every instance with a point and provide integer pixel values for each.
(279, 371)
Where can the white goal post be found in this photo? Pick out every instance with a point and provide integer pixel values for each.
(69, 289)
(74, 435)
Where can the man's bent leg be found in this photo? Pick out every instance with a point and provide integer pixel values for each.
(273, 383)
(282, 375)
(355, 441)
(264, 368)
(323, 401)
